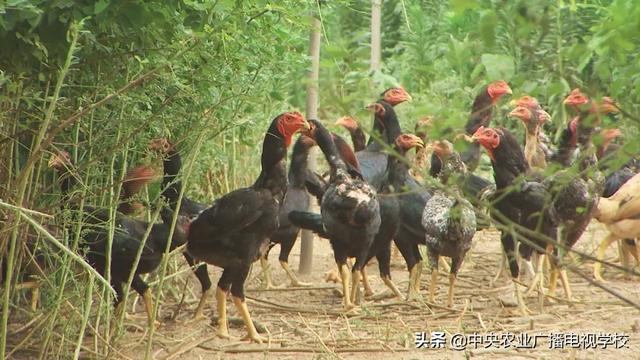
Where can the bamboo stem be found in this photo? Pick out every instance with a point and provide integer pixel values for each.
(88, 300)
(74, 32)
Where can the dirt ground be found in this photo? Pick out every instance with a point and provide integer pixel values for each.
(308, 323)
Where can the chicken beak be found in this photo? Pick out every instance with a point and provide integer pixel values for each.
(52, 161)
(475, 137)
(305, 125)
(508, 90)
(544, 116)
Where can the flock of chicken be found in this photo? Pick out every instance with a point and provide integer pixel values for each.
(541, 200)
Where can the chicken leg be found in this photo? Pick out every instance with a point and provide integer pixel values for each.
(365, 282)
(345, 275)
(148, 306)
(522, 306)
(452, 283)
(434, 282)
(294, 280)
(356, 276)
(201, 304)
(501, 269)
(538, 278)
(266, 272)
(412, 294)
(602, 248)
(387, 281)
(553, 281)
(253, 335)
(564, 279)
(414, 281)
(221, 302)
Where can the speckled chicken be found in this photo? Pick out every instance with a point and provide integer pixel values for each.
(349, 214)
(448, 219)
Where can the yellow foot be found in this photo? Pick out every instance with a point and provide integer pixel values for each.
(299, 283)
(350, 307)
(332, 276)
(524, 310)
(197, 317)
(223, 333)
(157, 324)
(598, 277)
(414, 295)
(255, 338)
(267, 286)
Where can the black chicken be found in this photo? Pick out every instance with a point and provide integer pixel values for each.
(448, 219)
(189, 209)
(575, 195)
(606, 151)
(567, 145)
(517, 198)
(411, 197)
(234, 232)
(296, 198)
(482, 111)
(127, 239)
(349, 214)
(372, 160)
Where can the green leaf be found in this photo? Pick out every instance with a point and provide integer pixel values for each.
(100, 6)
(462, 5)
(487, 28)
(498, 67)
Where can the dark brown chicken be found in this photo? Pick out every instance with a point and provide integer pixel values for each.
(189, 209)
(127, 239)
(357, 135)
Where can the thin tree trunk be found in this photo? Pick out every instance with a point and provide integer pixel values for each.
(375, 34)
(306, 251)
